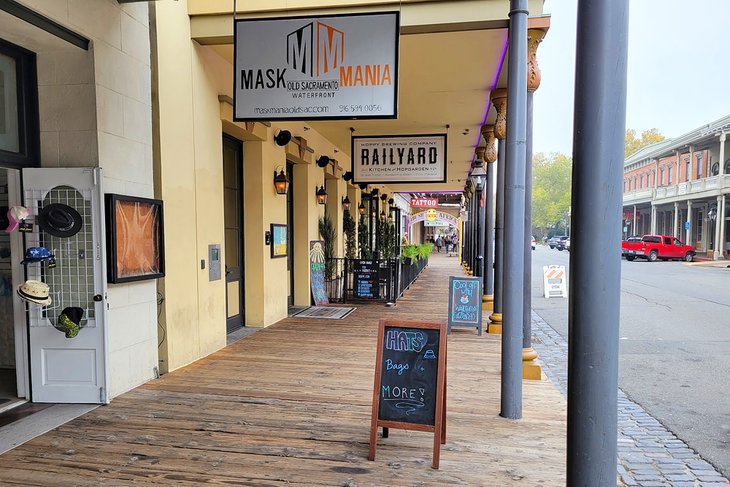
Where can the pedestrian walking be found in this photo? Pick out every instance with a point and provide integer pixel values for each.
(439, 243)
(447, 243)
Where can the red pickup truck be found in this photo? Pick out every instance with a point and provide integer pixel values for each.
(654, 247)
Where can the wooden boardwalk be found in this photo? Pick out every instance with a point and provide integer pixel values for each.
(290, 405)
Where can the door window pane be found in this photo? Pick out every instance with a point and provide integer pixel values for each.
(9, 135)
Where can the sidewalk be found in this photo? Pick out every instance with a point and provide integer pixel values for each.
(290, 405)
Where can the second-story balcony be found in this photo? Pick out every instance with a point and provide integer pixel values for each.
(696, 188)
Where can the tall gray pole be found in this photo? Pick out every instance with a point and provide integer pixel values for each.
(489, 231)
(593, 319)
(527, 246)
(496, 316)
(499, 100)
(514, 212)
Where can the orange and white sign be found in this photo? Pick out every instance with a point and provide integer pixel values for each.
(316, 67)
(554, 281)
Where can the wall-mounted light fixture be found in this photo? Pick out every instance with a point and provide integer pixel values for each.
(374, 192)
(391, 201)
(321, 195)
(281, 182)
(346, 203)
(383, 197)
(363, 186)
(347, 176)
(361, 208)
(282, 137)
(323, 161)
(382, 216)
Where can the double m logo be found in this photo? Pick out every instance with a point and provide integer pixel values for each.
(315, 49)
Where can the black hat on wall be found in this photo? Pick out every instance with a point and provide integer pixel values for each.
(59, 220)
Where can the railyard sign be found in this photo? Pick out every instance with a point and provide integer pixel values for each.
(316, 67)
(399, 159)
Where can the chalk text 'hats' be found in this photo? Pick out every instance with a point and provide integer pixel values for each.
(36, 254)
(59, 220)
(34, 292)
(15, 215)
(69, 321)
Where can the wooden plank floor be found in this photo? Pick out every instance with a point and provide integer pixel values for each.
(290, 405)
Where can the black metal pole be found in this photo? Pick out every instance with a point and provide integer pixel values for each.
(593, 319)
(514, 213)
(489, 231)
(478, 225)
(527, 285)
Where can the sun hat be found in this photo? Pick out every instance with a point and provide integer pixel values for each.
(59, 220)
(34, 292)
(15, 215)
(69, 321)
(36, 254)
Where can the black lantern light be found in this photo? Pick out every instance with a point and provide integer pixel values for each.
(321, 195)
(361, 208)
(323, 161)
(281, 182)
(347, 176)
(382, 216)
(383, 197)
(363, 186)
(346, 203)
(391, 201)
(282, 137)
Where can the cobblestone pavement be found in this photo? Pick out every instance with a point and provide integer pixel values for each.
(649, 455)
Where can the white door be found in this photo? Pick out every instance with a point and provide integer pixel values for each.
(68, 370)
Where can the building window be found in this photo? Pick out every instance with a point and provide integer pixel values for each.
(661, 176)
(699, 165)
(19, 132)
(699, 226)
(669, 175)
(635, 183)
(688, 169)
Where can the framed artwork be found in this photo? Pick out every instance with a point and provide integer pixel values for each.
(279, 242)
(135, 244)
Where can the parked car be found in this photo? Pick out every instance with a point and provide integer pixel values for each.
(655, 247)
(553, 241)
(533, 243)
(561, 244)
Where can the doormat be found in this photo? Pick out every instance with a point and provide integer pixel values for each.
(324, 312)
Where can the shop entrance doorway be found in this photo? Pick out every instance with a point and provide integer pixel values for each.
(233, 221)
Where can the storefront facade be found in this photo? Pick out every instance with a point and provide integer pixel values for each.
(137, 99)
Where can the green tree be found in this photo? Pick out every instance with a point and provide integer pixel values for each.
(634, 144)
(363, 238)
(551, 179)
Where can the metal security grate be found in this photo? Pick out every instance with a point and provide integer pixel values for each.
(71, 282)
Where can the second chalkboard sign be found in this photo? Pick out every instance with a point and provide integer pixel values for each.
(410, 380)
(465, 302)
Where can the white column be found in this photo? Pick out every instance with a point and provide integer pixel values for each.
(676, 220)
(633, 227)
(721, 224)
(718, 223)
(689, 219)
(678, 171)
(722, 154)
(656, 173)
(653, 219)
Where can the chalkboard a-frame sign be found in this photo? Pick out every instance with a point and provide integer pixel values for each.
(410, 381)
(465, 302)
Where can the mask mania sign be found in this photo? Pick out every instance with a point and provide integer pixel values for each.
(399, 159)
(316, 68)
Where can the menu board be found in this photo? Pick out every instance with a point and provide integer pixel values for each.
(410, 380)
(367, 279)
(465, 302)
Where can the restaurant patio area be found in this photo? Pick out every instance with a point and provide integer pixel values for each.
(291, 405)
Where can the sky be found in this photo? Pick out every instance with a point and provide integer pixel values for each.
(678, 69)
